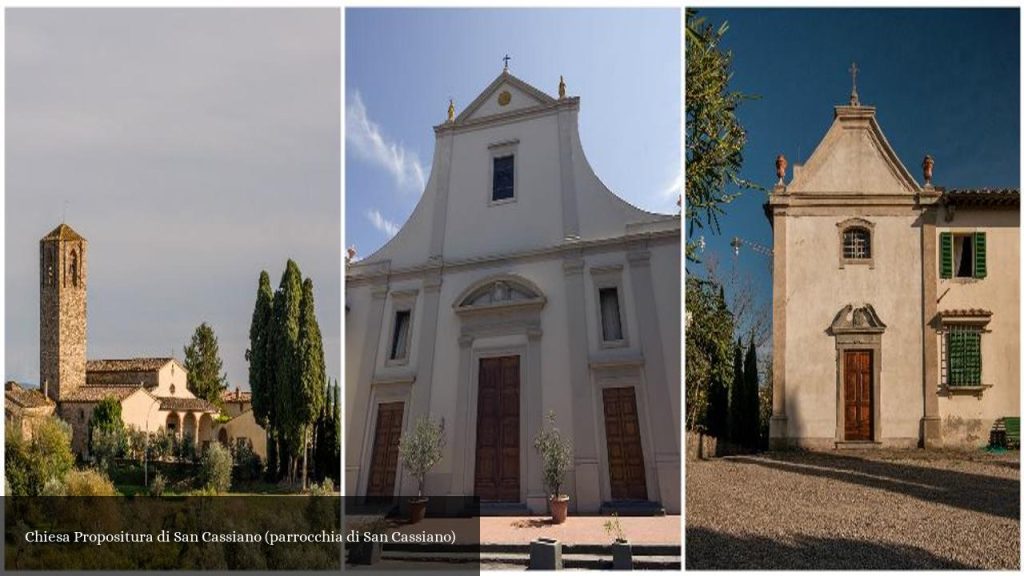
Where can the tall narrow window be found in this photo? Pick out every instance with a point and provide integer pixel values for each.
(963, 352)
(400, 336)
(74, 268)
(611, 320)
(503, 184)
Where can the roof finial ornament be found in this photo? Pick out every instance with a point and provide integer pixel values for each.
(506, 59)
(854, 98)
(780, 169)
(451, 110)
(926, 166)
(561, 86)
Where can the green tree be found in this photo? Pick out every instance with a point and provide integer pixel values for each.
(751, 387)
(312, 378)
(736, 395)
(46, 458)
(260, 354)
(107, 437)
(206, 378)
(287, 365)
(262, 379)
(714, 136)
(709, 327)
(215, 469)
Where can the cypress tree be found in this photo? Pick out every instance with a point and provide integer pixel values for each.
(260, 354)
(262, 382)
(736, 396)
(312, 380)
(287, 358)
(751, 416)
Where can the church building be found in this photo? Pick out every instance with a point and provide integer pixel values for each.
(153, 392)
(520, 285)
(895, 304)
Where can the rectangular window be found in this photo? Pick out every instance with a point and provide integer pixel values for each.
(963, 255)
(400, 335)
(503, 185)
(963, 353)
(611, 320)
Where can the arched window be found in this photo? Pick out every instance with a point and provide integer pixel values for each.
(856, 243)
(73, 268)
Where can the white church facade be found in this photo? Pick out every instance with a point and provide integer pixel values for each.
(896, 305)
(519, 286)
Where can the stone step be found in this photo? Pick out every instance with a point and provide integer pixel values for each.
(632, 508)
(587, 561)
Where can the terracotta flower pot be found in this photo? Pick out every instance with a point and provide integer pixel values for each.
(559, 508)
(417, 510)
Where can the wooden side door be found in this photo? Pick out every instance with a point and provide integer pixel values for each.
(857, 393)
(384, 463)
(626, 472)
(497, 431)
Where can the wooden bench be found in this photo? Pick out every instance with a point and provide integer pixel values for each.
(1005, 433)
(1012, 427)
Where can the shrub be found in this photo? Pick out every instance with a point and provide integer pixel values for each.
(215, 469)
(248, 464)
(325, 488)
(89, 483)
(31, 464)
(158, 486)
(54, 487)
(556, 455)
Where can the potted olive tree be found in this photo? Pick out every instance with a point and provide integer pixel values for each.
(421, 450)
(556, 456)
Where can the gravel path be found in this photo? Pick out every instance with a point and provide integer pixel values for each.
(877, 509)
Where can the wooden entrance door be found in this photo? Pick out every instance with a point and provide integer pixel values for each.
(497, 430)
(858, 375)
(384, 464)
(625, 453)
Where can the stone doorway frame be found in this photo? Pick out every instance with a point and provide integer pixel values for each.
(858, 329)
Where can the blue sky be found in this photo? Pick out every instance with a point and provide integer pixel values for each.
(944, 82)
(402, 66)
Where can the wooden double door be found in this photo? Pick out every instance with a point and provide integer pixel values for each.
(858, 396)
(384, 462)
(497, 430)
(627, 477)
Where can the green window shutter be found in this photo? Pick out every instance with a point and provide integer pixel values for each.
(946, 254)
(974, 358)
(954, 343)
(964, 350)
(980, 266)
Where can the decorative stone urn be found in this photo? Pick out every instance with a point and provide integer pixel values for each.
(780, 167)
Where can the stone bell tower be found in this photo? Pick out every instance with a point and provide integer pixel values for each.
(62, 282)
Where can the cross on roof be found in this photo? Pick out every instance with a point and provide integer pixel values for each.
(506, 59)
(854, 99)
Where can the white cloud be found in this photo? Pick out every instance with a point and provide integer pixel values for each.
(381, 223)
(366, 139)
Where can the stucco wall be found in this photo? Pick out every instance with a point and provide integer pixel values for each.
(968, 418)
(817, 289)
